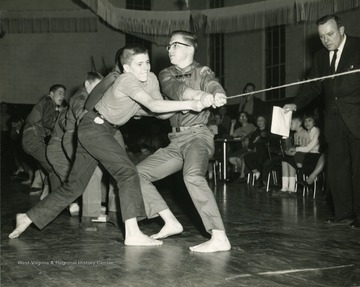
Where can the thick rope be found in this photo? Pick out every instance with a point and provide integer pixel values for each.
(297, 83)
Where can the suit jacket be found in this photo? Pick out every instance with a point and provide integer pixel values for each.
(340, 93)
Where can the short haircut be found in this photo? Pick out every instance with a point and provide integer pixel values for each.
(189, 37)
(326, 18)
(127, 53)
(261, 116)
(55, 87)
(93, 76)
(247, 85)
(297, 116)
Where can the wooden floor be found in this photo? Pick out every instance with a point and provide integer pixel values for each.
(275, 242)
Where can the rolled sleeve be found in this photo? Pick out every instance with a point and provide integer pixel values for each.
(209, 83)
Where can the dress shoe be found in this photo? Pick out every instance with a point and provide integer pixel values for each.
(355, 224)
(341, 221)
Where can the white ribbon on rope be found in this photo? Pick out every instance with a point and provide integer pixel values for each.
(297, 83)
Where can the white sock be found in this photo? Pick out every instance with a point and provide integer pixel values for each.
(285, 183)
(292, 184)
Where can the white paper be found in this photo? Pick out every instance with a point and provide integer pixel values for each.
(281, 122)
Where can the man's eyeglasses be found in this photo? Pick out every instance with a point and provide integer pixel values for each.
(175, 44)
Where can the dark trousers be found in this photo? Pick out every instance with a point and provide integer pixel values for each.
(256, 160)
(35, 146)
(343, 167)
(96, 144)
(57, 158)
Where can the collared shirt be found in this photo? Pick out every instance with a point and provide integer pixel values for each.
(338, 54)
(174, 81)
(119, 104)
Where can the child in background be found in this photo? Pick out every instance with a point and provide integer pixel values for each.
(310, 152)
(301, 138)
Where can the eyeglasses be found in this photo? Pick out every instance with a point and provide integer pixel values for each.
(175, 44)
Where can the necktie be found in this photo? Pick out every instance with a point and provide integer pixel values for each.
(332, 64)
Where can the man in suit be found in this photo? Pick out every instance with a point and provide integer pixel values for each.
(342, 115)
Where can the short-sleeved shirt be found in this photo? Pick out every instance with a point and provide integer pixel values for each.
(118, 104)
(42, 117)
(174, 81)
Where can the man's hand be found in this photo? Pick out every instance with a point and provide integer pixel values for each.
(289, 107)
(219, 100)
(207, 99)
(198, 106)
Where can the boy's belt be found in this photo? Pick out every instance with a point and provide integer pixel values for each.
(181, 129)
(103, 118)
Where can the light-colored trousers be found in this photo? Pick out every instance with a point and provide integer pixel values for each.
(189, 150)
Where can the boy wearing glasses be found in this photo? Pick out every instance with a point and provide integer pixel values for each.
(136, 88)
(191, 146)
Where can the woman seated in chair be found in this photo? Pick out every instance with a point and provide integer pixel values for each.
(259, 149)
(243, 132)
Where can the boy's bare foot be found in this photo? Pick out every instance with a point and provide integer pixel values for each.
(22, 223)
(140, 239)
(218, 242)
(168, 229)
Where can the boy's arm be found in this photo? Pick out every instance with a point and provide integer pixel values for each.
(144, 113)
(179, 91)
(49, 116)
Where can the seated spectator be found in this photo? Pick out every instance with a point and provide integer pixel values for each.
(245, 127)
(309, 154)
(243, 132)
(258, 150)
(225, 120)
(288, 164)
(304, 153)
(215, 126)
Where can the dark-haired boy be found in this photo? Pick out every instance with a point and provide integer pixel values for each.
(135, 89)
(38, 126)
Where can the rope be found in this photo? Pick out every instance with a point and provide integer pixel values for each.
(297, 83)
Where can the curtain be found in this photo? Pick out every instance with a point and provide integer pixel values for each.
(64, 21)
